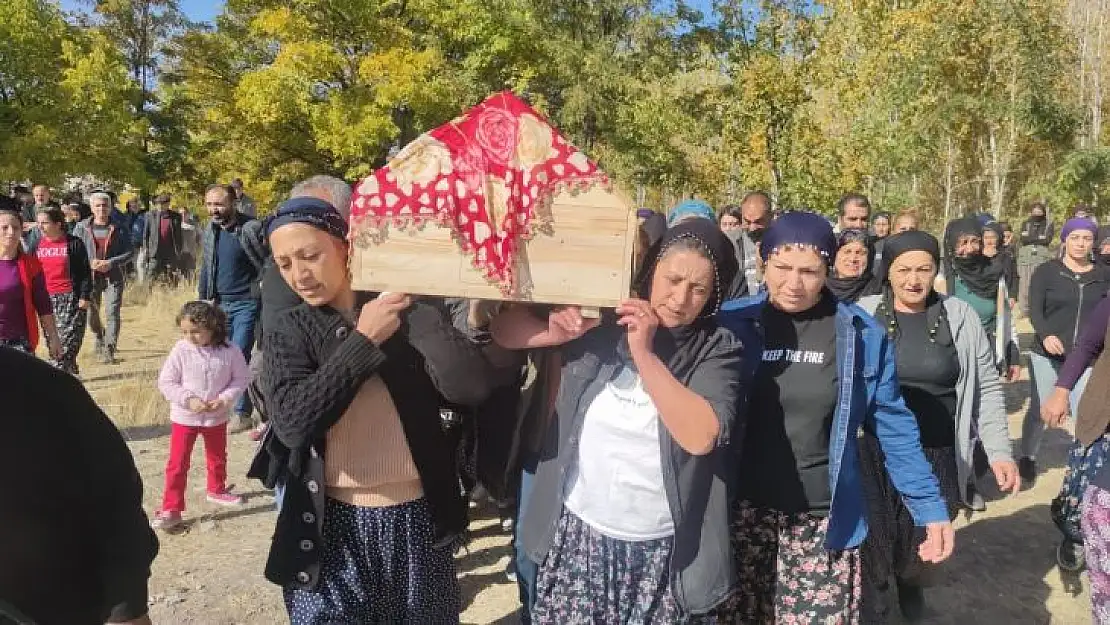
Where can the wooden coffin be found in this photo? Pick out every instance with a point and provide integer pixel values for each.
(586, 259)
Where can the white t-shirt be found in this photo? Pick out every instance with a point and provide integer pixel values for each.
(618, 485)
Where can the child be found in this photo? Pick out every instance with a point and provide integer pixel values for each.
(202, 378)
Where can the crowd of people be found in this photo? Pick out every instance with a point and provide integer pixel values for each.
(779, 425)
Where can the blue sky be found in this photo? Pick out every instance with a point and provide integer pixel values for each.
(197, 10)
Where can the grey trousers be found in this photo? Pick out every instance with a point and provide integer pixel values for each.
(104, 311)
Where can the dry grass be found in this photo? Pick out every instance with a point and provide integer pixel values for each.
(128, 391)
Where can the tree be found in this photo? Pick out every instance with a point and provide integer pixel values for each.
(143, 31)
(62, 106)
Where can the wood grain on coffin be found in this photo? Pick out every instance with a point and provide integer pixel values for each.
(587, 260)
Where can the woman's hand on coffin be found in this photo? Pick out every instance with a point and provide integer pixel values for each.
(381, 317)
(566, 323)
(641, 321)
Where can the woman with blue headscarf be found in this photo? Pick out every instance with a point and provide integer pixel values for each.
(800, 515)
(353, 383)
(690, 209)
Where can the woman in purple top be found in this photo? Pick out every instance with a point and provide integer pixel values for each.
(24, 302)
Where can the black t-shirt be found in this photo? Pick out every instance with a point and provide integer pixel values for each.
(786, 452)
(928, 372)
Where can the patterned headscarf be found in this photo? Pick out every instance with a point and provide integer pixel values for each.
(312, 211)
(802, 229)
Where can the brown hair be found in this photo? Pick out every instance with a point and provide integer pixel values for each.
(207, 316)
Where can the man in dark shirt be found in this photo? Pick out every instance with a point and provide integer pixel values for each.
(109, 249)
(234, 255)
(1036, 235)
(163, 241)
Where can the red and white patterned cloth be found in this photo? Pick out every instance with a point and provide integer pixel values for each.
(489, 175)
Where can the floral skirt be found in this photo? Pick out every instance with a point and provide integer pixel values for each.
(1096, 548)
(890, 550)
(588, 577)
(379, 565)
(71, 322)
(1083, 462)
(786, 574)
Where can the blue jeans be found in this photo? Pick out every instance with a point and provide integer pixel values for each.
(1042, 377)
(242, 316)
(526, 569)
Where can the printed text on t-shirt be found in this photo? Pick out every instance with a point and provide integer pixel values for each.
(794, 355)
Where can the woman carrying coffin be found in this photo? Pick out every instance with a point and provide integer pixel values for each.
(628, 514)
(371, 507)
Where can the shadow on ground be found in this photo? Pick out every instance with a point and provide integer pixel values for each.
(997, 574)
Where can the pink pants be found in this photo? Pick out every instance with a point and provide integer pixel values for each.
(182, 438)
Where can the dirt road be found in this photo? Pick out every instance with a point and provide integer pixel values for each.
(211, 574)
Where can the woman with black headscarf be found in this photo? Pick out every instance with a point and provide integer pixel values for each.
(1001, 257)
(971, 277)
(946, 373)
(629, 510)
(852, 277)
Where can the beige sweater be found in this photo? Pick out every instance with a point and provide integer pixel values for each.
(368, 462)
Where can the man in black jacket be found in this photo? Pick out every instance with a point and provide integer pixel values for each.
(1036, 235)
(76, 546)
(163, 241)
(231, 270)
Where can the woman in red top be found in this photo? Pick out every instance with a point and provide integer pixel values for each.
(24, 301)
(65, 264)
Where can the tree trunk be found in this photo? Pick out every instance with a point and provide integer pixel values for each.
(949, 179)
(1096, 79)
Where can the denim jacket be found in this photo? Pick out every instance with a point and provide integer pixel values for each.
(869, 394)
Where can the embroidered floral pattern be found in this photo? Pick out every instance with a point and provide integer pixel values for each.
(489, 175)
(589, 578)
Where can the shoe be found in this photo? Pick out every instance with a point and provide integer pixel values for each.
(166, 520)
(106, 356)
(507, 525)
(510, 570)
(258, 432)
(225, 498)
(911, 601)
(1027, 469)
(1069, 556)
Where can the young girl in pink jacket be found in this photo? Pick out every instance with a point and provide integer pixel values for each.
(202, 378)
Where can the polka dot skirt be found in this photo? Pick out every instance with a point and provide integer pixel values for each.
(379, 565)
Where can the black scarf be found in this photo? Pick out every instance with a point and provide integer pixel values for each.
(977, 272)
(936, 319)
(851, 289)
(683, 347)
